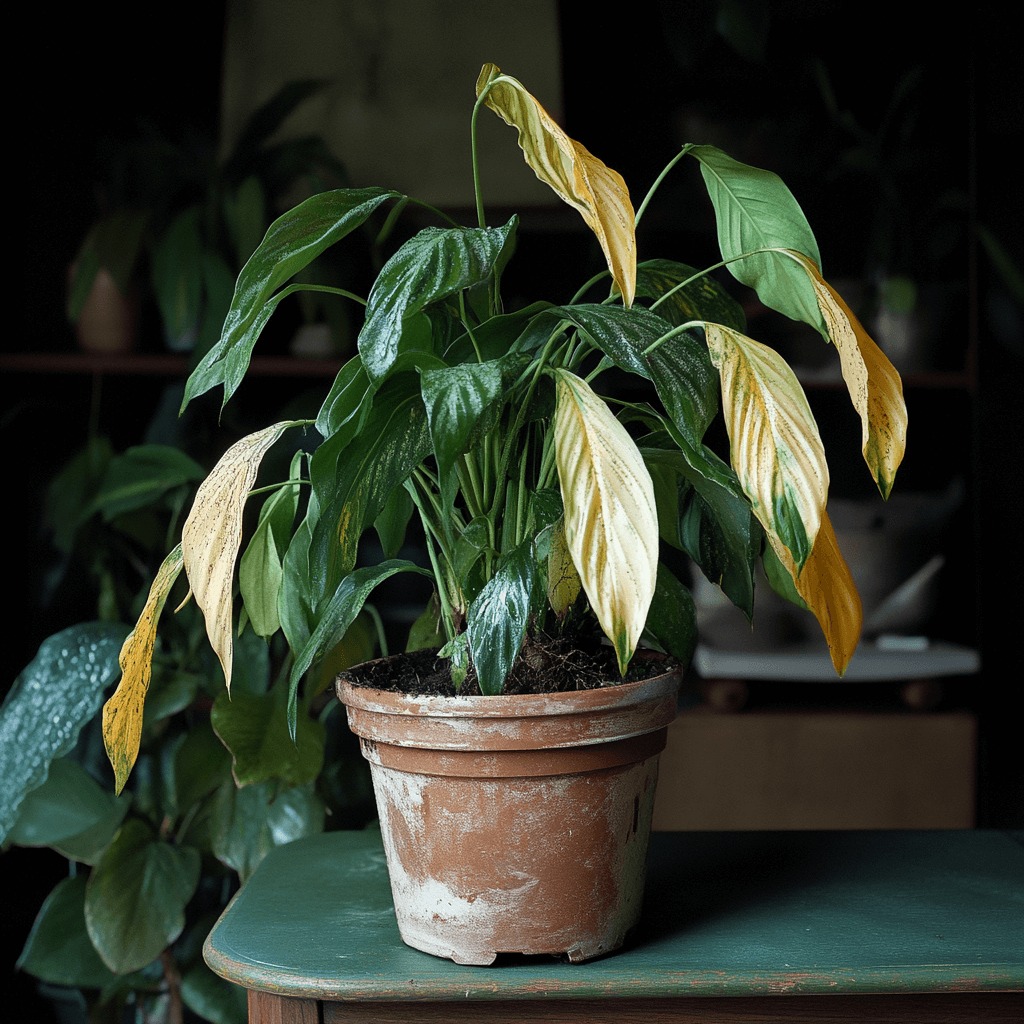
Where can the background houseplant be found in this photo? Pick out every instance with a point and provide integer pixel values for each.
(177, 218)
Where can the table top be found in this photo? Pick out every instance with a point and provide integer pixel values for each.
(726, 913)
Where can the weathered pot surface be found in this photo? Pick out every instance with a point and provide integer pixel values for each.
(515, 823)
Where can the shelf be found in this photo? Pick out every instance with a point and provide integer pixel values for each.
(154, 364)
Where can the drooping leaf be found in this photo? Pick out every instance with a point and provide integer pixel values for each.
(58, 949)
(873, 383)
(136, 896)
(254, 728)
(611, 522)
(828, 589)
(291, 243)
(577, 176)
(212, 534)
(754, 210)
(433, 264)
(775, 446)
(51, 700)
(122, 713)
(499, 616)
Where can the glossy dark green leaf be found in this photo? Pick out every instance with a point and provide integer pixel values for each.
(291, 243)
(350, 394)
(335, 618)
(499, 617)
(250, 822)
(351, 484)
(59, 691)
(58, 949)
(255, 729)
(701, 298)
(672, 619)
(434, 264)
(393, 521)
(136, 896)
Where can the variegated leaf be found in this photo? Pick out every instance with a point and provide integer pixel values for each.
(212, 535)
(611, 520)
(577, 176)
(828, 589)
(874, 384)
(775, 447)
(122, 713)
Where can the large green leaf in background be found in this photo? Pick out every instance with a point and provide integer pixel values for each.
(53, 697)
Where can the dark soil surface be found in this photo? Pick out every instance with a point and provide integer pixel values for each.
(546, 665)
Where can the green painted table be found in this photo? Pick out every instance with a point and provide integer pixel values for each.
(797, 926)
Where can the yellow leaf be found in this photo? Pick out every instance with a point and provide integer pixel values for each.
(577, 176)
(875, 387)
(829, 591)
(775, 447)
(213, 533)
(611, 521)
(122, 713)
(563, 579)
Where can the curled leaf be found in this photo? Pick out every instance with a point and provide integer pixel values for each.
(212, 535)
(122, 713)
(775, 446)
(577, 176)
(875, 387)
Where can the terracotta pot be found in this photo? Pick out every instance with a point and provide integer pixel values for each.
(109, 320)
(515, 824)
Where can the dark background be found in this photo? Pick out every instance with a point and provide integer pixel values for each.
(93, 72)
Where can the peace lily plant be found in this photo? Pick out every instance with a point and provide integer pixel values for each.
(547, 493)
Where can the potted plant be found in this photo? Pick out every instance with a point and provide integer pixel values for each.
(558, 462)
(177, 220)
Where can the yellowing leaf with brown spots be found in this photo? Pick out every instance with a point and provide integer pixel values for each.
(563, 579)
(829, 591)
(212, 535)
(611, 520)
(122, 713)
(874, 384)
(577, 176)
(775, 447)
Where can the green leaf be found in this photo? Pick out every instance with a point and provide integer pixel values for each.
(201, 764)
(350, 395)
(393, 522)
(499, 617)
(672, 619)
(67, 803)
(136, 896)
(212, 997)
(53, 697)
(701, 297)
(434, 264)
(260, 571)
(351, 484)
(345, 604)
(138, 477)
(251, 821)
(255, 730)
(58, 949)
(755, 210)
(291, 243)
(177, 272)
(70, 493)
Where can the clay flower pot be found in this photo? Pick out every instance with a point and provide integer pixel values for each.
(515, 823)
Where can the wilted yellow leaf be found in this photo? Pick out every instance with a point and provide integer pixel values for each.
(122, 713)
(875, 387)
(213, 533)
(611, 521)
(829, 591)
(577, 176)
(775, 447)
